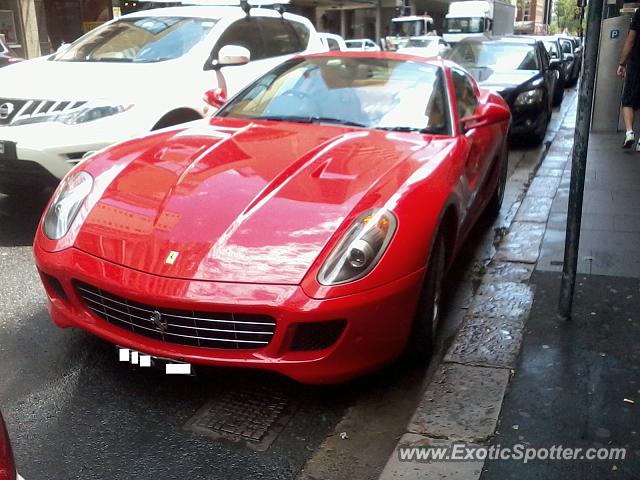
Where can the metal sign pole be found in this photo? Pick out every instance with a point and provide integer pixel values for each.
(579, 158)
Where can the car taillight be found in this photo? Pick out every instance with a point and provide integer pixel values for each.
(15, 60)
(7, 465)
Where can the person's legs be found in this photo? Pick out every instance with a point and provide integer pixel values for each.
(627, 116)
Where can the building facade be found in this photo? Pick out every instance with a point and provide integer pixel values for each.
(38, 27)
(532, 16)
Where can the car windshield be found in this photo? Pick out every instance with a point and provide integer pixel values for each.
(566, 46)
(139, 39)
(421, 42)
(496, 56)
(365, 92)
(408, 28)
(464, 25)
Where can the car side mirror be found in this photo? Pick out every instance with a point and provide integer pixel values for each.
(555, 64)
(216, 97)
(63, 48)
(232, 55)
(488, 114)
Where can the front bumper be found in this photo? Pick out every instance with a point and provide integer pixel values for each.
(378, 321)
(45, 152)
(527, 119)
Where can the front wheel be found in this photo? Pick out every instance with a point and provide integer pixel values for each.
(558, 93)
(495, 204)
(427, 317)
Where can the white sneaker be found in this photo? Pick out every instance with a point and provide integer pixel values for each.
(629, 139)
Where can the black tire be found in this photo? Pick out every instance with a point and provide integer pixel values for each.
(495, 204)
(176, 118)
(558, 94)
(427, 317)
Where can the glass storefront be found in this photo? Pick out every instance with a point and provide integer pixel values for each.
(11, 26)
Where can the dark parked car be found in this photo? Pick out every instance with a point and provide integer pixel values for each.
(559, 57)
(518, 69)
(572, 49)
(7, 57)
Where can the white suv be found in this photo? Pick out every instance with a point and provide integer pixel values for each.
(140, 72)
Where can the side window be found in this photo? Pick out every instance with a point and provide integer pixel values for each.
(333, 44)
(466, 99)
(244, 33)
(279, 37)
(544, 58)
(302, 32)
(566, 46)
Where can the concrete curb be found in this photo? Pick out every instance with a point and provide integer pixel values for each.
(463, 402)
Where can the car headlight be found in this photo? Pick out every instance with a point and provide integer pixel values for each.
(66, 204)
(530, 97)
(360, 249)
(86, 113)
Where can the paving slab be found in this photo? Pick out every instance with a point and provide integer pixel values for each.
(508, 272)
(534, 209)
(493, 342)
(549, 172)
(397, 469)
(491, 332)
(522, 243)
(502, 300)
(544, 187)
(461, 403)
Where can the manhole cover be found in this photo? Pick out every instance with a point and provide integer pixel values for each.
(254, 416)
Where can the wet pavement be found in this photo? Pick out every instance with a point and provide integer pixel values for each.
(572, 381)
(75, 412)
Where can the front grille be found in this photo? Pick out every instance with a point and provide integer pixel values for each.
(33, 110)
(182, 327)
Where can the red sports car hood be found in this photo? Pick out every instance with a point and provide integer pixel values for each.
(238, 201)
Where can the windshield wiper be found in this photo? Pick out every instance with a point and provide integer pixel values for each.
(284, 118)
(301, 119)
(336, 120)
(425, 130)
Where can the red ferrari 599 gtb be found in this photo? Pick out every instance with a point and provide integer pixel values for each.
(304, 229)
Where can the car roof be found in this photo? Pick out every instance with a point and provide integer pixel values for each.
(209, 11)
(546, 38)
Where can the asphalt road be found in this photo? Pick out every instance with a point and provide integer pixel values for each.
(75, 412)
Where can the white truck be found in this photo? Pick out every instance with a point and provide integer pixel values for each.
(478, 18)
(403, 28)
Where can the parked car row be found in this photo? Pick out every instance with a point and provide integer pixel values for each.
(530, 72)
(266, 236)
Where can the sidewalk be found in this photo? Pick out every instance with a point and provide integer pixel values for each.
(573, 378)
(569, 383)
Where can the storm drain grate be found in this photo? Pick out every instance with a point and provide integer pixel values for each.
(255, 416)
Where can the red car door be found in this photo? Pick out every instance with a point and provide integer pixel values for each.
(480, 141)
